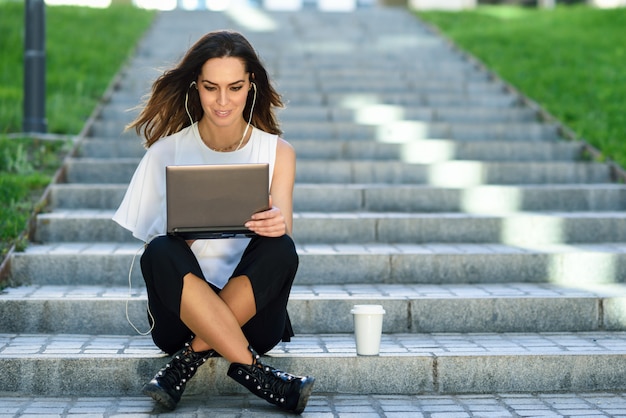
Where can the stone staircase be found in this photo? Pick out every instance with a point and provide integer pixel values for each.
(423, 185)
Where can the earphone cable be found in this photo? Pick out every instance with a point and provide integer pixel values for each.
(130, 296)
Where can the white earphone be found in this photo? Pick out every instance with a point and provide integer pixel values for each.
(193, 83)
(253, 103)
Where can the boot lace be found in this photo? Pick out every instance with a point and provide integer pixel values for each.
(278, 384)
(182, 367)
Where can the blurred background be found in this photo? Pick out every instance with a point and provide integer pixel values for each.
(331, 5)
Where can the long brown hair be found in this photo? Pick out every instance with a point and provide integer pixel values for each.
(164, 111)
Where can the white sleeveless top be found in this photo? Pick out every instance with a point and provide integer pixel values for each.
(143, 209)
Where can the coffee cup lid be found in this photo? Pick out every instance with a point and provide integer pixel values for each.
(367, 309)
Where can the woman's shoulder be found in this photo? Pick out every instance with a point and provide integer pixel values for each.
(265, 135)
(282, 142)
(284, 148)
(274, 140)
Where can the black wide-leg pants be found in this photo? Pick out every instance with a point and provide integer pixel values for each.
(269, 263)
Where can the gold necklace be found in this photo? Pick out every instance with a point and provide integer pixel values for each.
(228, 148)
(225, 149)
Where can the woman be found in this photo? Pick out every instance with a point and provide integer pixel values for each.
(216, 297)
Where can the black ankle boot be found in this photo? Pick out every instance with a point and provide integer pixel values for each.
(169, 383)
(287, 391)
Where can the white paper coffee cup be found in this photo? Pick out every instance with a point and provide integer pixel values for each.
(368, 327)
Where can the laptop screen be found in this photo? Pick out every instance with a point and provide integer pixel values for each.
(214, 201)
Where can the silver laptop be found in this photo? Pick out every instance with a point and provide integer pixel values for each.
(214, 201)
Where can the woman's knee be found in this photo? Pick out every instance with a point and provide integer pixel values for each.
(281, 250)
(168, 257)
(164, 249)
(265, 330)
(159, 247)
(172, 339)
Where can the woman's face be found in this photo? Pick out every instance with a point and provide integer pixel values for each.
(223, 86)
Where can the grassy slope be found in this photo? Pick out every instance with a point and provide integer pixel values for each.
(571, 60)
(84, 49)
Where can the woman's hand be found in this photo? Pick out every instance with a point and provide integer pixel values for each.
(269, 223)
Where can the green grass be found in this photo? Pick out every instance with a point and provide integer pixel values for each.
(84, 50)
(571, 60)
(26, 167)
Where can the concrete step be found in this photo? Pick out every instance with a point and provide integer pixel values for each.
(436, 151)
(79, 365)
(360, 56)
(420, 151)
(395, 198)
(346, 85)
(517, 229)
(111, 148)
(451, 173)
(325, 309)
(370, 114)
(479, 199)
(412, 99)
(445, 174)
(80, 226)
(365, 62)
(406, 131)
(435, 263)
(284, 69)
(369, 227)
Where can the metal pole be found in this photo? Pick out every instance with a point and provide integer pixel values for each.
(35, 68)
